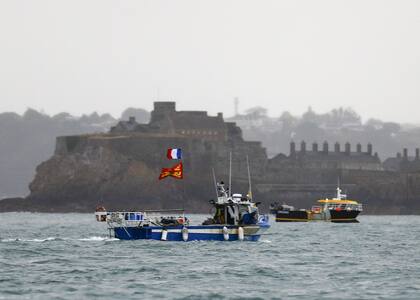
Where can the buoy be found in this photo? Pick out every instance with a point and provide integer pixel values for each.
(225, 233)
(164, 235)
(241, 233)
(184, 234)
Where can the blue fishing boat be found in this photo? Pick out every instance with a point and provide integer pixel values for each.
(236, 217)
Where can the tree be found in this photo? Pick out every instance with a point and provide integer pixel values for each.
(391, 127)
(141, 115)
(256, 112)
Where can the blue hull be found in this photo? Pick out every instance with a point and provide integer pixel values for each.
(195, 233)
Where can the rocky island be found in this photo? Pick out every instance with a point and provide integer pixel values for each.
(119, 169)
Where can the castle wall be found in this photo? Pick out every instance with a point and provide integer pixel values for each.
(70, 144)
(198, 154)
(328, 160)
(121, 168)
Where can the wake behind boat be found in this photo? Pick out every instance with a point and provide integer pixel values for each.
(235, 218)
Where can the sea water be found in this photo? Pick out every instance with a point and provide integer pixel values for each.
(70, 256)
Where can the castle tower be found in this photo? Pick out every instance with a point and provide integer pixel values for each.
(348, 148)
(369, 149)
(303, 147)
(325, 147)
(337, 147)
(164, 106)
(162, 110)
(315, 147)
(292, 149)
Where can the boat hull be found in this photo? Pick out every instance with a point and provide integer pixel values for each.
(335, 216)
(344, 216)
(292, 216)
(195, 233)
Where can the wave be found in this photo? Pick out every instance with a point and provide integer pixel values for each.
(97, 239)
(50, 239)
(9, 240)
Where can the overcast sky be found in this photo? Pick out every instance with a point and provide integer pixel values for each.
(99, 55)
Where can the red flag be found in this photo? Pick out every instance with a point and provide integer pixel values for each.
(175, 171)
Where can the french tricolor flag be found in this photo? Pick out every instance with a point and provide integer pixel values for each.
(174, 153)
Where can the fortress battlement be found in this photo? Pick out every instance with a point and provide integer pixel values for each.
(404, 162)
(294, 153)
(121, 166)
(323, 158)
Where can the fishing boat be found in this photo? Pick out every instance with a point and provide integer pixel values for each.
(337, 210)
(236, 218)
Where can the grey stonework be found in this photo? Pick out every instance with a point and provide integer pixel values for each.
(120, 169)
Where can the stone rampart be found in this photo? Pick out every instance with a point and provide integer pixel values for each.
(119, 169)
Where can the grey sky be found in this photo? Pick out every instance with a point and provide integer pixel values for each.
(82, 56)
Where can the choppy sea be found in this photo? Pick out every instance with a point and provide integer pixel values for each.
(69, 256)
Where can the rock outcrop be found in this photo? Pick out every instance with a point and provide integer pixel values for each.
(120, 170)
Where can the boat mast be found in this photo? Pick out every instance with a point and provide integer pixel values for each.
(249, 179)
(338, 188)
(215, 183)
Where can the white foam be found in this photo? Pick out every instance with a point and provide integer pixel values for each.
(9, 240)
(41, 240)
(98, 239)
(48, 239)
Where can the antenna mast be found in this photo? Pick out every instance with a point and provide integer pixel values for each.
(158, 93)
(236, 106)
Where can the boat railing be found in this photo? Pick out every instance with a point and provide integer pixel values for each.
(316, 209)
(344, 206)
(133, 217)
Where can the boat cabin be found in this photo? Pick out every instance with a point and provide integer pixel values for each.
(340, 203)
(233, 210)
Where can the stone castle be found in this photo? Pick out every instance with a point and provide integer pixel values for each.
(119, 169)
(195, 124)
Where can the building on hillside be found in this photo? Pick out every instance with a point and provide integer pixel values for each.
(404, 162)
(126, 126)
(323, 158)
(166, 120)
